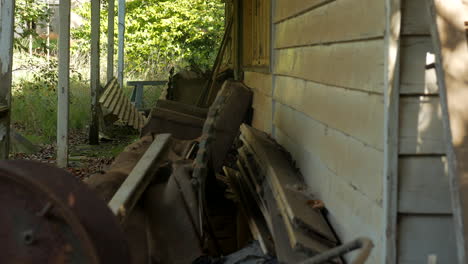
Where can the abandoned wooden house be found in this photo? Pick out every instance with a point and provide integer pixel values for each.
(367, 97)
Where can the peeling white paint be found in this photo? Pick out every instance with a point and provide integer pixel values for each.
(6, 33)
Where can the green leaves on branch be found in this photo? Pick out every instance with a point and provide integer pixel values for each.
(30, 14)
(162, 34)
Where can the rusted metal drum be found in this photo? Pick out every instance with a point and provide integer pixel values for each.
(49, 216)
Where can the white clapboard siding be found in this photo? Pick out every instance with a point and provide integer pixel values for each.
(356, 163)
(421, 126)
(289, 8)
(354, 65)
(259, 82)
(423, 185)
(338, 21)
(351, 212)
(424, 235)
(262, 116)
(416, 55)
(356, 113)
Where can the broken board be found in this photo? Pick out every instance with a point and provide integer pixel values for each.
(448, 20)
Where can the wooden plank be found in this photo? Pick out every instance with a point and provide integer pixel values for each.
(131, 117)
(343, 155)
(256, 223)
(142, 121)
(351, 212)
(353, 112)
(183, 108)
(139, 178)
(414, 20)
(424, 185)
(6, 62)
(391, 128)
(421, 236)
(421, 130)
(63, 104)
(135, 118)
(115, 100)
(110, 39)
(95, 71)
(447, 25)
(107, 90)
(338, 21)
(119, 105)
(138, 120)
(245, 180)
(114, 92)
(326, 64)
(288, 8)
(418, 74)
(282, 180)
(127, 114)
(124, 109)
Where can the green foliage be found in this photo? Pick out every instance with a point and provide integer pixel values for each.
(161, 34)
(29, 14)
(34, 98)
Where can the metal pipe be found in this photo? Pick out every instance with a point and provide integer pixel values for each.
(361, 243)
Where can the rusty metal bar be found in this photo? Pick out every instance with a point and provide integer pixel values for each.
(139, 178)
(361, 243)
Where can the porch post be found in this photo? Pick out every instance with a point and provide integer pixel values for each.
(121, 42)
(63, 83)
(95, 78)
(110, 40)
(7, 8)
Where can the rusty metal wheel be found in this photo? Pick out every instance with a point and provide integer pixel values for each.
(49, 216)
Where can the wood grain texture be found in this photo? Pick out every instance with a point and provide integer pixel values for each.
(343, 155)
(424, 185)
(421, 236)
(337, 21)
(355, 65)
(447, 26)
(421, 129)
(63, 107)
(352, 112)
(95, 71)
(391, 123)
(418, 74)
(289, 8)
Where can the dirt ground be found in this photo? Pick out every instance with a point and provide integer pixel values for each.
(85, 159)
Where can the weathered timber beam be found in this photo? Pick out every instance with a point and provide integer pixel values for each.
(63, 83)
(391, 127)
(121, 57)
(110, 40)
(7, 8)
(95, 69)
(138, 180)
(447, 20)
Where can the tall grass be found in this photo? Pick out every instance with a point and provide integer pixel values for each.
(34, 109)
(34, 98)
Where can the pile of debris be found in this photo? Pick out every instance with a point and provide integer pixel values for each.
(282, 215)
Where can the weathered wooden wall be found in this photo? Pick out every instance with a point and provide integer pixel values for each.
(424, 220)
(323, 100)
